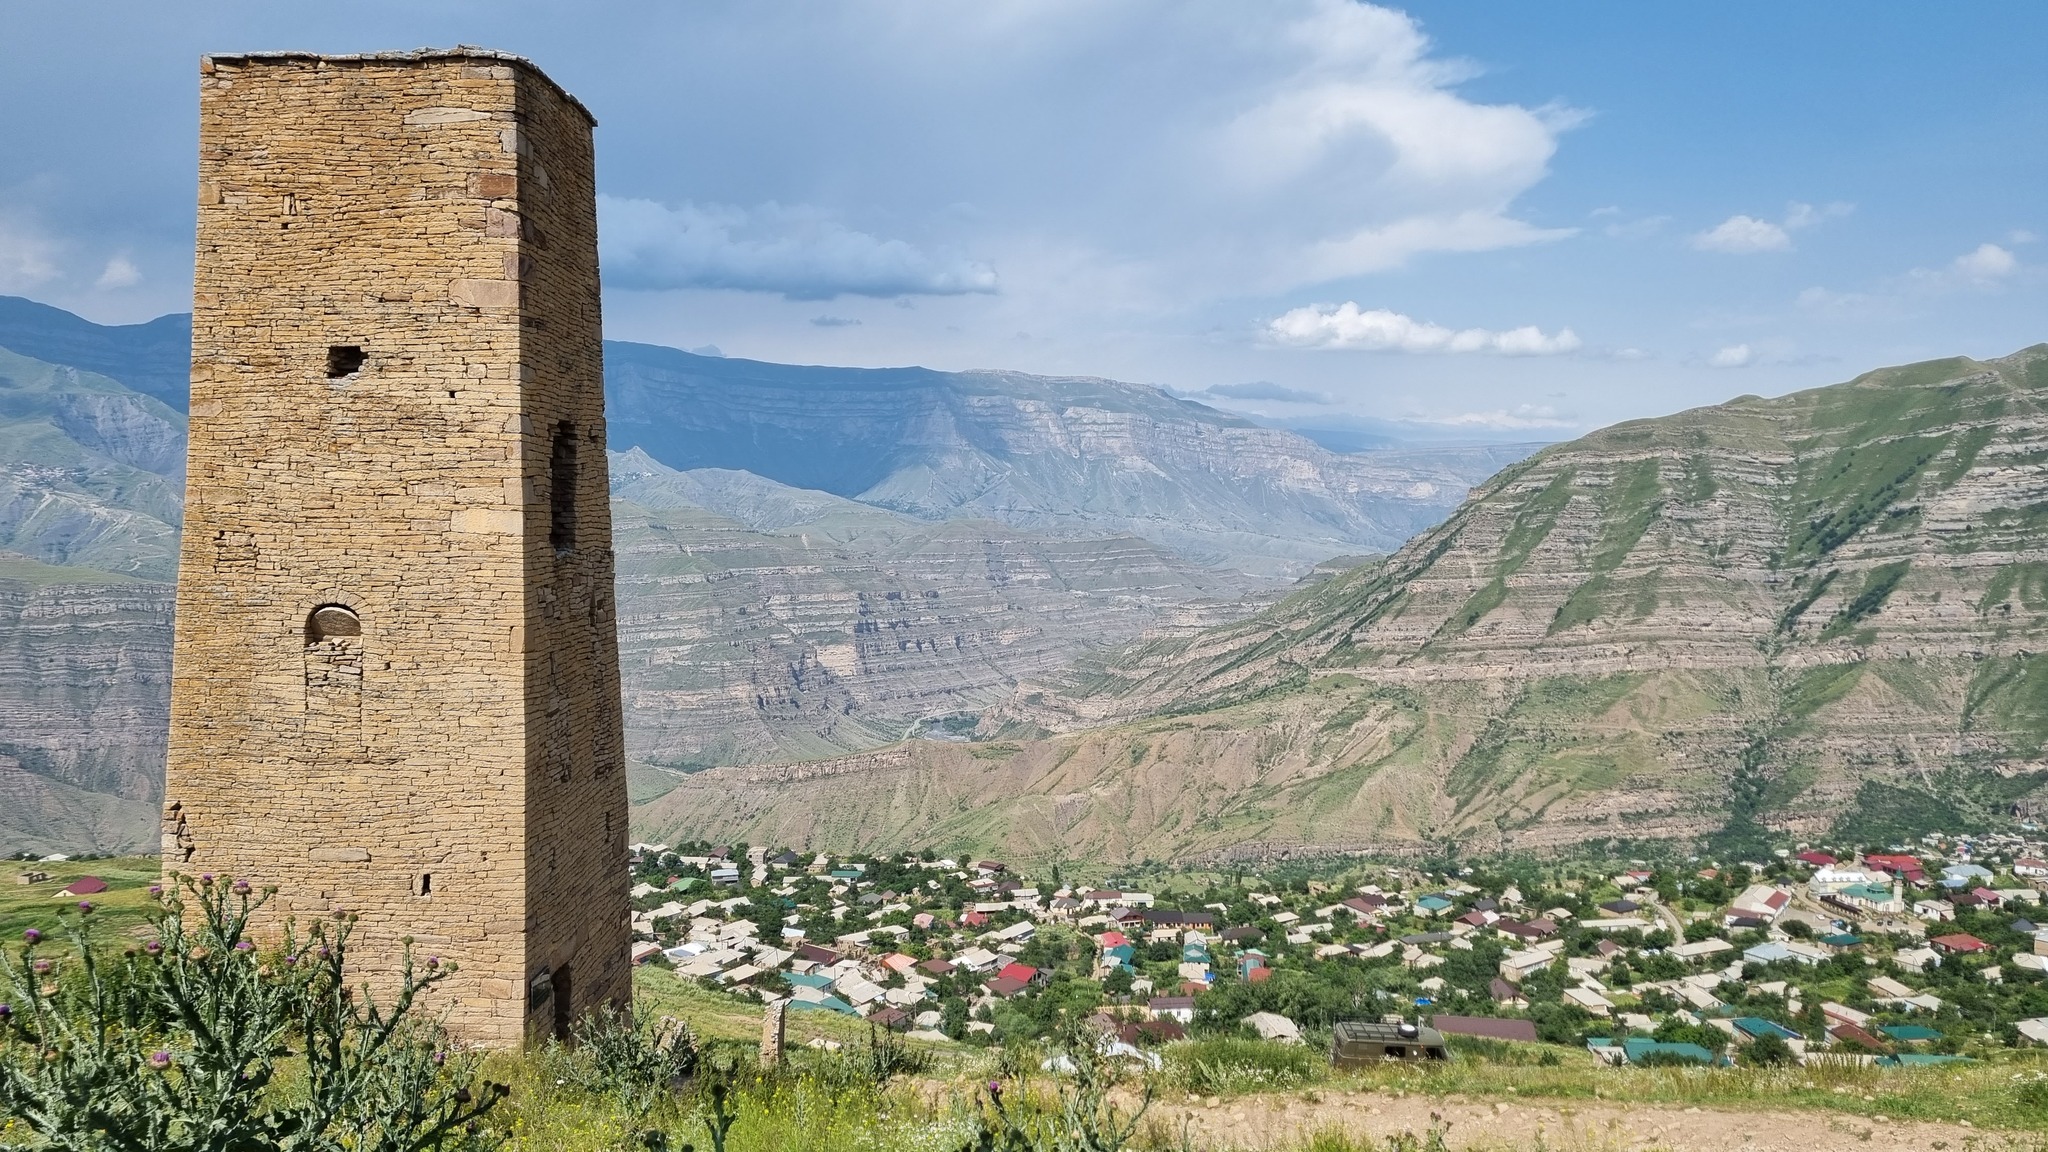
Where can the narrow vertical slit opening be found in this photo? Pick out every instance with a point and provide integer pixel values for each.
(562, 489)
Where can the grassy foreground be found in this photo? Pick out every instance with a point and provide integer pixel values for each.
(825, 1100)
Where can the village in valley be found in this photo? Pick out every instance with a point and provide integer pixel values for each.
(1918, 954)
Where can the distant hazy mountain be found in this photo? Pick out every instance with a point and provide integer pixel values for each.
(812, 560)
(1821, 613)
(1070, 456)
(154, 359)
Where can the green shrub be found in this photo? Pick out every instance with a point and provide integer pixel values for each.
(199, 1041)
(1229, 1064)
(1768, 1050)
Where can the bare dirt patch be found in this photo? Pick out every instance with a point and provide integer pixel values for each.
(1272, 1122)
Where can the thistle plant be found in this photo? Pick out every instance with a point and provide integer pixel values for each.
(1084, 1120)
(634, 1058)
(201, 1040)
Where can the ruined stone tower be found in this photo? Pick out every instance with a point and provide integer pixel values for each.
(396, 687)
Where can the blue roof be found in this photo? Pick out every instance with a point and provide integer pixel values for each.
(1918, 1059)
(1842, 940)
(828, 1004)
(1758, 1026)
(1433, 903)
(807, 980)
(1636, 1047)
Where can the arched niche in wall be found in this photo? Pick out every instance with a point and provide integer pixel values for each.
(334, 677)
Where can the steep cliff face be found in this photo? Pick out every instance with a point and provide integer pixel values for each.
(1823, 609)
(84, 702)
(1072, 456)
(761, 622)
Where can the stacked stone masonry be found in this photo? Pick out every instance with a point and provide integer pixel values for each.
(395, 686)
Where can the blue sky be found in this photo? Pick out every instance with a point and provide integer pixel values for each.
(1515, 220)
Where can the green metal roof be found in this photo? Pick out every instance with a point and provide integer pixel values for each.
(1909, 1032)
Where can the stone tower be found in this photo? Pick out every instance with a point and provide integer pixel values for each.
(395, 689)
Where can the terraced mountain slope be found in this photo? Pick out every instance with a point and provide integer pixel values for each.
(1819, 610)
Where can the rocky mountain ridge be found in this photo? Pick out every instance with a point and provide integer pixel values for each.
(1063, 456)
(760, 620)
(1821, 610)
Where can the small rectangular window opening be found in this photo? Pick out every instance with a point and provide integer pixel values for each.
(344, 360)
(426, 884)
(562, 489)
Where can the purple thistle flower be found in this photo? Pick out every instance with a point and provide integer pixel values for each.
(153, 947)
(31, 935)
(6, 1010)
(156, 889)
(322, 953)
(206, 878)
(290, 960)
(243, 946)
(241, 888)
(433, 962)
(159, 1059)
(42, 966)
(85, 907)
(440, 1058)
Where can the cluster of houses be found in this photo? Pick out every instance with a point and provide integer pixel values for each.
(935, 947)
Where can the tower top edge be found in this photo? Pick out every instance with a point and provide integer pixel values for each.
(416, 56)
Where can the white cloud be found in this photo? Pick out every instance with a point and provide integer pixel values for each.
(2020, 236)
(120, 272)
(1985, 268)
(1637, 229)
(796, 251)
(1346, 326)
(1362, 155)
(27, 257)
(1743, 234)
(1985, 262)
(1266, 390)
(1524, 416)
(1740, 235)
(1733, 356)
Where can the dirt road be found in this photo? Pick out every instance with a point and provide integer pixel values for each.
(1255, 1124)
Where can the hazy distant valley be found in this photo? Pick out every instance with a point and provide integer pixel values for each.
(812, 561)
